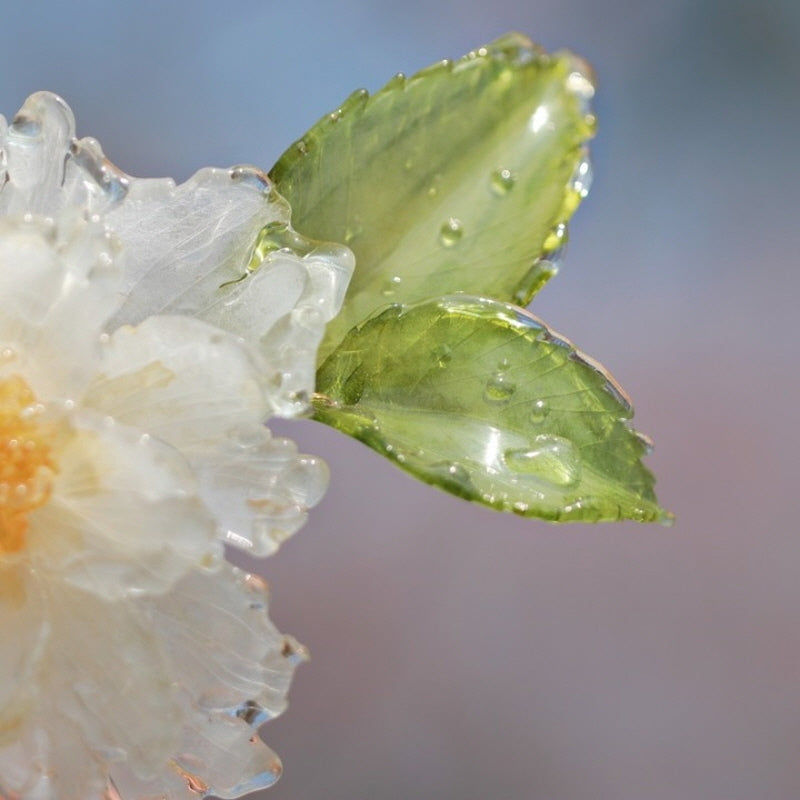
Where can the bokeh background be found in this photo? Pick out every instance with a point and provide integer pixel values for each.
(456, 652)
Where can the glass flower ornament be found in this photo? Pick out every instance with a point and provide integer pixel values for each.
(140, 353)
(148, 330)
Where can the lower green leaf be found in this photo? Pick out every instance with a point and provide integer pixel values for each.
(480, 398)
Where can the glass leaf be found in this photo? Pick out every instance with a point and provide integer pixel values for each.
(480, 398)
(460, 178)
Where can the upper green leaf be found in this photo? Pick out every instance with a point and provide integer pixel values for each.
(480, 398)
(457, 179)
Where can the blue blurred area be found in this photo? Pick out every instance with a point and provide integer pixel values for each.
(458, 653)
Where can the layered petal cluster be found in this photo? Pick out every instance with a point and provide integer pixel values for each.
(146, 333)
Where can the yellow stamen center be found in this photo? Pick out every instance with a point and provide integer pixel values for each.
(26, 463)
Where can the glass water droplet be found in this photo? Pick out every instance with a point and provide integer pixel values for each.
(499, 389)
(539, 411)
(87, 154)
(541, 272)
(275, 236)
(538, 275)
(247, 175)
(390, 287)
(580, 83)
(582, 178)
(433, 189)
(551, 458)
(452, 475)
(502, 181)
(442, 355)
(451, 232)
(556, 239)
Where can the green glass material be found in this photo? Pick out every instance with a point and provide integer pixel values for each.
(460, 178)
(479, 398)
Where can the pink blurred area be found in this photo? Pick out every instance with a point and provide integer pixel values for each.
(460, 653)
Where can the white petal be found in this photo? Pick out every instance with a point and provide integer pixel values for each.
(25, 631)
(103, 695)
(180, 379)
(26, 771)
(193, 249)
(124, 518)
(106, 679)
(58, 287)
(183, 242)
(197, 389)
(227, 655)
(36, 144)
(218, 247)
(155, 694)
(235, 760)
(283, 307)
(260, 488)
(224, 649)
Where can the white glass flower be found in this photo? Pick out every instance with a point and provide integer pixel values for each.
(143, 341)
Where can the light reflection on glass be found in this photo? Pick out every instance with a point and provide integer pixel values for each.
(539, 119)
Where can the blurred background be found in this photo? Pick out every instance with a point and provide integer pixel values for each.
(456, 652)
